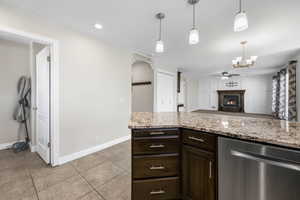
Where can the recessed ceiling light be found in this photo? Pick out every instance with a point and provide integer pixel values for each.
(98, 26)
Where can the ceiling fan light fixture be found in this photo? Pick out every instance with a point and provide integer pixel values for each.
(194, 36)
(224, 77)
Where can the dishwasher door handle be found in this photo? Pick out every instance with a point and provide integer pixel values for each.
(268, 160)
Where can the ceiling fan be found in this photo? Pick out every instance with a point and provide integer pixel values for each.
(227, 75)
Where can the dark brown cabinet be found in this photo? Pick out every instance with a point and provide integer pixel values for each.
(169, 164)
(156, 164)
(198, 174)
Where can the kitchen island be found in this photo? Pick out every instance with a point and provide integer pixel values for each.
(176, 155)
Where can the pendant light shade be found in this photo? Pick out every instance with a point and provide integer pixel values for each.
(194, 32)
(194, 36)
(159, 47)
(241, 20)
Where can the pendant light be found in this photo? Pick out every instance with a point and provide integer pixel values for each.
(194, 32)
(241, 20)
(159, 48)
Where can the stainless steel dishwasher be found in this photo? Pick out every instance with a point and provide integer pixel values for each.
(250, 171)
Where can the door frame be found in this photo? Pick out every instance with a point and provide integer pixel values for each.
(174, 76)
(54, 85)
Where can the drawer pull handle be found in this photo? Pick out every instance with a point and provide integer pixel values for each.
(157, 133)
(196, 139)
(157, 168)
(157, 192)
(155, 146)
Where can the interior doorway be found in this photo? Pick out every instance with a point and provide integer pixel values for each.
(142, 90)
(44, 107)
(165, 91)
(42, 104)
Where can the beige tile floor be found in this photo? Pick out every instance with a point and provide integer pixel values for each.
(104, 175)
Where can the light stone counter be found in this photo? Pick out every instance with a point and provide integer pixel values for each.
(278, 132)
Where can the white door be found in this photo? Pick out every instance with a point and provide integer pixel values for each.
(165, 92)
(43, 103)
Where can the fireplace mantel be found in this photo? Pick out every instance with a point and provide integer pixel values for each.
(231, 100)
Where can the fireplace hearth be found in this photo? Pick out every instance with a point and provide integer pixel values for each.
(231, 100)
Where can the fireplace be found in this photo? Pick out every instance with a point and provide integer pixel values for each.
(231, 100)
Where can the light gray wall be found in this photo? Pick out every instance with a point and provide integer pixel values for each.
(14, 63)
(192, 94)
(258, 95)
(95, 83)
(142, 95)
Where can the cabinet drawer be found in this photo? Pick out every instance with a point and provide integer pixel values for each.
(199, 139)
(154, 132)
(155, 145)
(156, 189)
(155, 166)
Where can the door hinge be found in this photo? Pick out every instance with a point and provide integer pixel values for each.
(49, 144)
(48, 58)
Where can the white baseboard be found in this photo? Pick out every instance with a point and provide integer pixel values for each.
(192, 110)
(32, 148)
(74, 156)
(6, 145)
(9, 145)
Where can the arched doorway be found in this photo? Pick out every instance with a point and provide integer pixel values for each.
(142, 86)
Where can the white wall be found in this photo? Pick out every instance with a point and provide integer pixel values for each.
(94, 84)
(142, 95)
(181, 96)
(258, 95)
(14, 63)
(192, 94)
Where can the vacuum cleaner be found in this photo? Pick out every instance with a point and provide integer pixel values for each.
(21, 115)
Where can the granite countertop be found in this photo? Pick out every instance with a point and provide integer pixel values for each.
(278, 132)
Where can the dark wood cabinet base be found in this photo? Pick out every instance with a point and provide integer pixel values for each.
(170, 164)
(156, 189)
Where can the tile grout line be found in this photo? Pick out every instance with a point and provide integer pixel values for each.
(34, 186)
(52, 185)
(91, 186)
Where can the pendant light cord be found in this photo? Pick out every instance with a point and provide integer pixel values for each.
(240, 6)
(194, 18)
(159, 29)
(244, 52)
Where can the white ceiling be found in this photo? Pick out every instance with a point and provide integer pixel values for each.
(274, 33)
